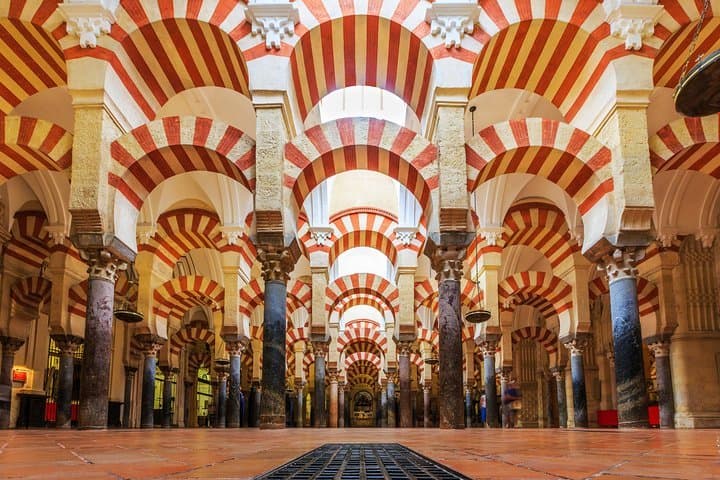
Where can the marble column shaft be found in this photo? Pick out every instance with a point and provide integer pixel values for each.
(318, 407)
(577, 371)
(333, 410)
(384, 407)
(300, 411)
(559, 374)
(489, 348)
(234, 350)
(468, 408)
(147, 404)
(341, 406)
(666, 402)
(272, 401)
(68, 346)
(220, 421)
(406, 420)
(127, 395)
(391, 404)
(167, 398)
(450, 350)
(426, 407)
(10, 346)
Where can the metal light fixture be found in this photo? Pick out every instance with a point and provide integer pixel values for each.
(698, 90)
(127, 312)
(432, 360)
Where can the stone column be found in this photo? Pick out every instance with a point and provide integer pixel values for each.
(167, 413)
(505, 374)
(95, 375)
(406, 420)
(577, 346)
(320, 350)
(234, 348)
(277, 263)
(300, 411)
(666, 404)
(627, 338)
(384, 405)
(447, 262)
(68, 345)
(10, 345)
(391, 401)
(127, 400)
(191, 402)
(341, 405)
(468, 406)
(426, 406)
(151, 344)
(333, 407)
(613, 382)
(559, 374)
(489, 347)
(254, 407)
(221, 410)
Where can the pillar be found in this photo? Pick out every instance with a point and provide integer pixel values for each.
(341, 405)
(191, 401)
(127, 399)
(300, 410)
(95, 376)
(150, 344)
(627, 338)
(406, 420)
(447, 262)
(577, 346)
(167, 413)
(10, 345)
(333, 407)
(384, 405)
(489, 347)
(320, 350)
(234, 348)
(391, 401)
(666, 404)
(426, 406)
(559, 374)
(276, 263)
(468, 406)
(221, 410)
(68, 345)
(254, 407)
(505, 374)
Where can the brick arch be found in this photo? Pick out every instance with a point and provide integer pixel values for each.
(426, 295)
(197, 360)
(252, 296)
(182, 230)
(363, 356)
(364, 238)
(361, 144)
(572, 159)
(544, 291)
(367, 299)
(546, 338)
(191, 334)
(429, 336)
(151, 153)
(30, 292)
(363, 283)
(688, 144)
(30, 243)
(30, 144)
(176, 296)
(365, 331)
(299, 295)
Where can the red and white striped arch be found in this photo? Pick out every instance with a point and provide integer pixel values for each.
(647, 294)
(251, 297)
(364, 238)
(572, 159)
(360, 144)
(360, 356)
(426, 295)
(152, 153)
(362, 283)
(688, 144)
(362, 372)
(30, 292)
(429, 336)
(542, 227)
(555, 49)
(548, 293)
(177, 296)
(28, 144)
(180, 231)
(77, 301)
(367, 299)
(30, 242)
(542, 335)
(299, 295)
(360, 50)
(197, 360)
(191, 334)
(362, 330)
(31, 59)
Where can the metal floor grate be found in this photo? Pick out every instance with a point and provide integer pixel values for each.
(368, 461)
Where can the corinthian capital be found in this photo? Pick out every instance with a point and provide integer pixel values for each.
(102, 265)
(447, 261)
(10, 345)
(577, 344)
(150, 344)
(621, 263)
(277, 262)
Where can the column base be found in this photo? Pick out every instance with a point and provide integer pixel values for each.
(90, 427)
(272, 423)
(635, 424)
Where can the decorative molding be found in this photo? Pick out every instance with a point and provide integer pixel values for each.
(491, 234)
(88, 19)
(447, 261)
(321, 235)
(57, 233)
(706, 236)
(632, 20)
(452, 20)
(272, 19)
(660, 348)
(621, 263)
(103, 265)
(667, 236)
(144, 232)
(232, 233)
(277, 263)
(578, 344)
(405, 235)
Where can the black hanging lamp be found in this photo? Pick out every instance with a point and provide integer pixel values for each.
(127, 312)
(698, 91)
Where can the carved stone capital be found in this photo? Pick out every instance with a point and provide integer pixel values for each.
(404, 348)
(88, 19)
(277, 262)
(321, 235)
(558, 373)
(144, 232)
(333, 376)
(660, 348)
(103, 265)
(447, 261)
(489, 345)
(272, 19)
(576, 345)
(320, 349)
(452, 19)
(491, 234)
(67, 344)
(405, 235)
(505, 374)
(706, 236)
(232, 233)
(621, 263)
(299, 387)
(10, 345)
(234, 347)
(632, 20)
(150, 344)
(427, 387)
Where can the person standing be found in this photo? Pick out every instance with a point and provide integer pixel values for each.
(483, 410)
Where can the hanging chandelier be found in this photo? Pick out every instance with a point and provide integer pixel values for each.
(127, 312)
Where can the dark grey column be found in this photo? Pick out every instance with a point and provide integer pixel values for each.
(151, 344)
(95, 375)
(577, 346)
(505, 373)
(627, 339)
(68, 345)
(468, 407)
(167, 412)
(300, 410)
(127, 400)
(559, 374)
(341, 405)
(234, 348)
(319, 416)
(384, 406)
(254, 413)
(10, 345)
(447, 262)
(406, 420)
(391, 401)
(276, 263)
(220, 421)
(489, 347)
(666, 403)
(426, 405)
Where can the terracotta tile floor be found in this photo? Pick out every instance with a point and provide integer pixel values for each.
(244, 453)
